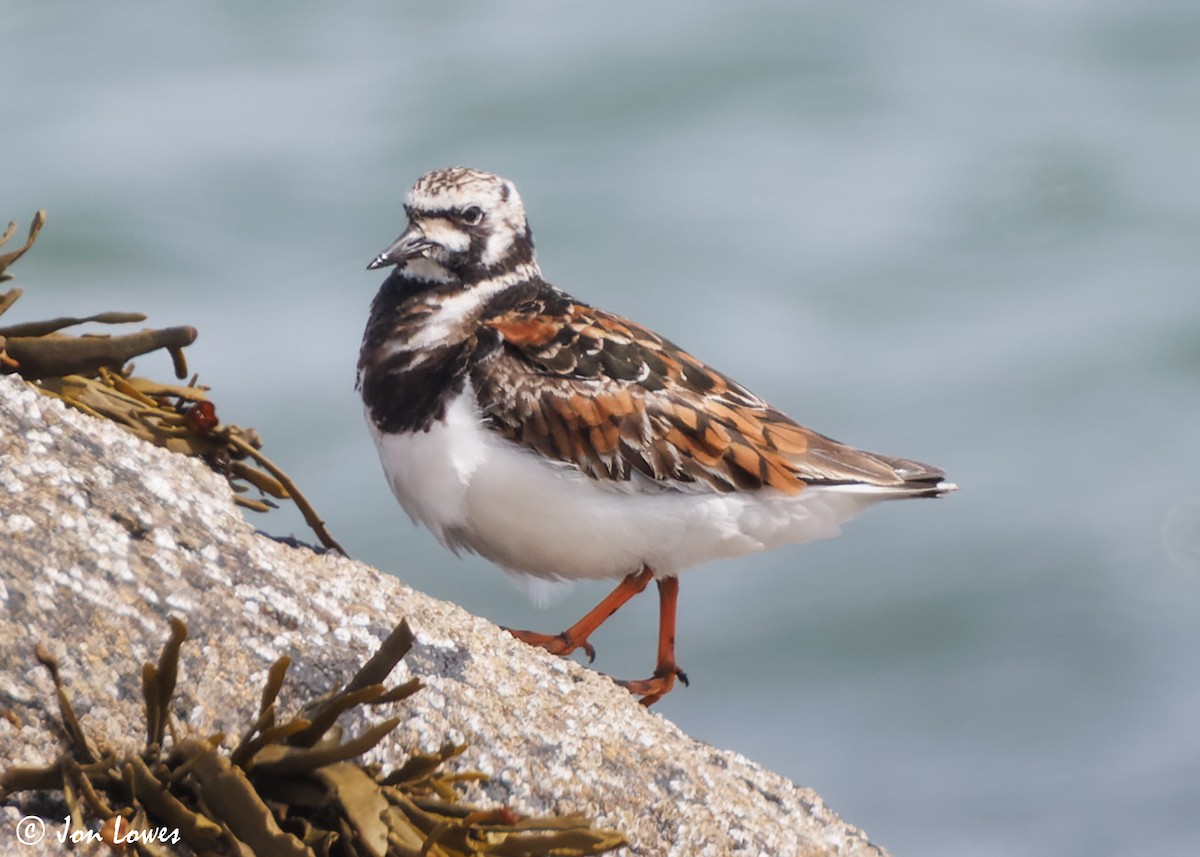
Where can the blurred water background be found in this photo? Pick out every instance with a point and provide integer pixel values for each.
(967, 233)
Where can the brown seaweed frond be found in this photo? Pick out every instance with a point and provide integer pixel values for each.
(93, 373)
(291, 787)
(6, 259)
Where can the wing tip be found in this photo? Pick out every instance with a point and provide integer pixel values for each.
(941, 488)
(904, 490)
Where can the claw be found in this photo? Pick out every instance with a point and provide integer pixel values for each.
(652, 689)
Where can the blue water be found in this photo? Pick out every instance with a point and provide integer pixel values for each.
(965, 233)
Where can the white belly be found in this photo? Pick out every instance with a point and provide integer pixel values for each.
(477, 491)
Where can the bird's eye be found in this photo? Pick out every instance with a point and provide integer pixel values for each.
(471, 215)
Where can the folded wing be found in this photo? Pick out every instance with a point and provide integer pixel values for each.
(597, 392)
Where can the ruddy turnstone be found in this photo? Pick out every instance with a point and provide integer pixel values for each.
(564, 442)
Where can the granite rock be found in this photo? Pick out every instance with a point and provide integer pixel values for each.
(103, 537)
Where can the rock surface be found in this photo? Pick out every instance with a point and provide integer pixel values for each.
(102, 537)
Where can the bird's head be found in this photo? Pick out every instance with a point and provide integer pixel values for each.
(463, 224)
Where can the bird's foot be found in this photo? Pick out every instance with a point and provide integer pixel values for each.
(652, 689)
(555, 644)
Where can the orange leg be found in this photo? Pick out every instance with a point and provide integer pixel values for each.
(652, 689)
(576, 637)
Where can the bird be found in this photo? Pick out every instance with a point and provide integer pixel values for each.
(563, 442)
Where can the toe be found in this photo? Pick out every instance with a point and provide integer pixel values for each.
(652, 689)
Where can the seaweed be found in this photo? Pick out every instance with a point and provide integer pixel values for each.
(93, 373)
(287, 787)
